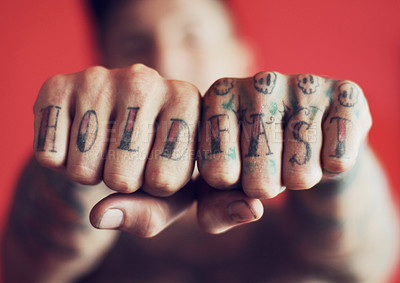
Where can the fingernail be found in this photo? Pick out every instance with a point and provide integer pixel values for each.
(240, 211)
(111, 219)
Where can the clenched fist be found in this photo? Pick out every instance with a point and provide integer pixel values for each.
(273, 131)
(128, 127)
(135, 130)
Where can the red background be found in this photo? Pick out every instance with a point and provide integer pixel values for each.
(357, 40)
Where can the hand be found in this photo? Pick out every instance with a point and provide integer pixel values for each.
(128, 127)
(273, 131)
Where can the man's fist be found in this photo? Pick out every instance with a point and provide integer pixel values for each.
(128, 127)
(272, 131)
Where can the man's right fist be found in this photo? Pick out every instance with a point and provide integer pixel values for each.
(128, 127)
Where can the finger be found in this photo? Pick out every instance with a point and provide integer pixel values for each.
(52, 122)
(171, 161)
(140, 96)
(303, 135)
(219, 211)
(89, 132)
(345, 128)
(262, 134)
(219, 153)
(139, 213)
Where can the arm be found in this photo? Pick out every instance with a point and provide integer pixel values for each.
(91, 126)
(345, 229)
(48, 237)
(303, 132)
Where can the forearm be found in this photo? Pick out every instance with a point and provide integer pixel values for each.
(48, 237)
(347, 228)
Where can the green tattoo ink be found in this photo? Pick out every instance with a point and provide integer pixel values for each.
(231, 154)
(272, 167)
(249, 167)
(328, 93)
(228, 105)
(273, 108)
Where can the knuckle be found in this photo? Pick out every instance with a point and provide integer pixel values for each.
(54, 82)
(221, 179)
(53, 90)
(141, 68)
(83, 174)
(140, 72)
(142, 81)
(307, 84)
(222, 86)
(95, 72)
(349, 93)
(163, 184)
(261, 190)
(49, 160)
(265, 82)
(94, 83)
(341, 82)
(340, 165)
(185, 93)
(121, 183)
(302, 180)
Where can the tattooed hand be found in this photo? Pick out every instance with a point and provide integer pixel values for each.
(273, 131)
(128, 127)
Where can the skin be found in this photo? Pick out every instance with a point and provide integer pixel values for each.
(95, 133)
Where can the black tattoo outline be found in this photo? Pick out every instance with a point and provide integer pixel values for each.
(170, 144)
(347, 99)
(265, 82)
(341, 134)
(216, 137)
(128, 130)
(44, 126)
(81, 137)
(304, 80)
(223, 86)
(296, 135)
(253, 144)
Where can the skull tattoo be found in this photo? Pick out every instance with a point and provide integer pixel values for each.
(264, 82)
(308, 83)
(348, 95)
(223, 86)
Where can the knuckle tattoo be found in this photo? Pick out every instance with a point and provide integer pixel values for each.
(177, 141)
(342, 126)
(348, 94)
(87, 132)
(264, 82)
(308, 84)
(47, 128)
(126, 138)
(223, 86)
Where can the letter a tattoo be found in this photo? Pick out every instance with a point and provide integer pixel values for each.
(258, 124)
(44, 128)
(129, 127)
